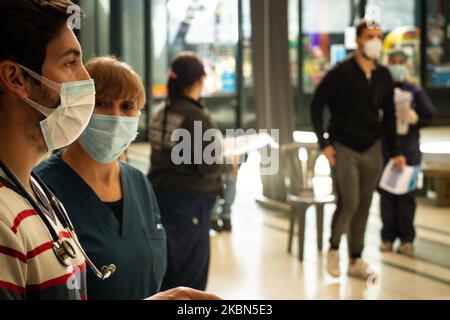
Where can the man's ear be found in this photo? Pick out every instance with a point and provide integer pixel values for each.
(12, 79)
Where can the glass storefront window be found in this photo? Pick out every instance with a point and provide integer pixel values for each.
(95, 28)
(88, 39)
(247, 45)
(293, 33)
(323, 38)
(160, 56)
(104, 26)
(328, 38)
(247, 106)
(133, 45)
(207, 27)
(133, 33)
(398, 21)
(393, 14)
(438, 44)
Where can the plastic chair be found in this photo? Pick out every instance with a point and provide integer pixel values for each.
(298, 177)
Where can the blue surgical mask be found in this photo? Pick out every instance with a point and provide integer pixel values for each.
(107, 137)
(399, 72)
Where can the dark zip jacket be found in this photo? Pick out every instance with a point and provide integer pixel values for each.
(362, 110)
(192, 178)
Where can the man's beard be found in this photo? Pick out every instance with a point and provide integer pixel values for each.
(32, 120)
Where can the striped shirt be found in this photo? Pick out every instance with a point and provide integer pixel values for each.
(29, 268)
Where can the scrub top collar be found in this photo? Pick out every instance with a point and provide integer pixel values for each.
(85, 192)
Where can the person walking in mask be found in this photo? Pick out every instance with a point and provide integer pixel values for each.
(360, 96)
(414, 111)
(186, 191)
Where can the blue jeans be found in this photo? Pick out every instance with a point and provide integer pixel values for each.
(222, 207)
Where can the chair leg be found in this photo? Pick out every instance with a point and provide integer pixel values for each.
(291, 228)
(301, 231)
(319, 223)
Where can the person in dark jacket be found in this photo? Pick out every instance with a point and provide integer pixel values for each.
(360, 96)
(398, 211)
(186, 190)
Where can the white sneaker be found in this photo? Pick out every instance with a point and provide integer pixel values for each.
(386, 247)
(406, 249)
(360, 269)
(333, 263)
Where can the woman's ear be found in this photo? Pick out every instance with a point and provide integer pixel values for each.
(12, 79)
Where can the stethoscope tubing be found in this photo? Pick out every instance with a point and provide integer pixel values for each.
(24, 193)
(60, 212)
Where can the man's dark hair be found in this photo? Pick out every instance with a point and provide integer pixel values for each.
(364, 25)
(27, 27)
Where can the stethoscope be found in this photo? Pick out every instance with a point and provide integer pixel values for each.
(62, 248)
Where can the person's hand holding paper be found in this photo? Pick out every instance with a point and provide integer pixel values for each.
(399, 181)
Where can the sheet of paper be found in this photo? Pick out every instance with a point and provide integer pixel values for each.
(399, 181)
(235, 146)
(403, 103)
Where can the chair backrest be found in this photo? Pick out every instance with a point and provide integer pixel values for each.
(298, 174)
(291, 166)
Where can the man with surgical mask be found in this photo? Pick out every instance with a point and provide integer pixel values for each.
(46, 102)
(414, 110)
(359, 94)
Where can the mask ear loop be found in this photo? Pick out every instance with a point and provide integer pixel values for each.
(47, 82)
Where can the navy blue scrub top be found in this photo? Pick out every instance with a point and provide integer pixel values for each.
(409, 144)
(137, 247)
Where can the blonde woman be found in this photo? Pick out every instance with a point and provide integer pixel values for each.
(111, 204)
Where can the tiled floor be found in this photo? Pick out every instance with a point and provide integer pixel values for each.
(252, 262)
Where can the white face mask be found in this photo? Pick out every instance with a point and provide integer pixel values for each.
(66, 123)
(399, 72)
(373, 49)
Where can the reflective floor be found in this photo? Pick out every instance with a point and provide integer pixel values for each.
(252, 262)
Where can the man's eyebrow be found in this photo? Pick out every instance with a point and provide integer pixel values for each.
(71, 51)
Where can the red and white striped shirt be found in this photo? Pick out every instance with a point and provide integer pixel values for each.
(29, 269)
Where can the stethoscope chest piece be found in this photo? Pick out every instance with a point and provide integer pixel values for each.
(64, 251)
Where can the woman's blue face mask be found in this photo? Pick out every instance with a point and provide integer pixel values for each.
(107, 137)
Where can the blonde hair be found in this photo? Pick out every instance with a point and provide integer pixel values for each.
(115, 79)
